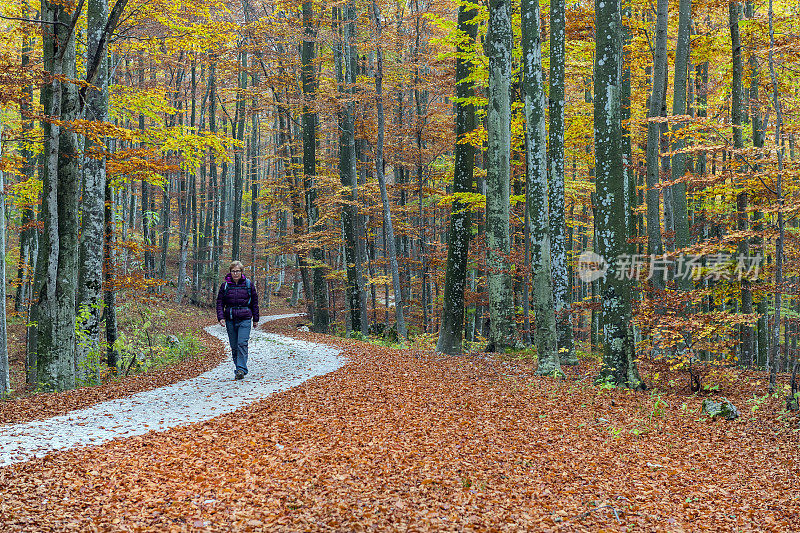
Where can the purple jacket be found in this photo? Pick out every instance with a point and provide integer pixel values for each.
(237, 302)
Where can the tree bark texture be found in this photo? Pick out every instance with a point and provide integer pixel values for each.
(321, 318)
(498, 47)
(53, 338)
(654, 243)
(5, 376)
(346, 58)
(452, 329)
(90, 277)
(562, 285)
(619, 358)
(537, 193)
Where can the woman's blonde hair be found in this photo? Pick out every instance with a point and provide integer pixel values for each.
(236, 264)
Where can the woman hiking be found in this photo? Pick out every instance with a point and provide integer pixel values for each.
(237, 311)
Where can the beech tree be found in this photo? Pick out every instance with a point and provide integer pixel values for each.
(619, 358)
(451, 332)
(321, 317)
(5, 377)
(657, 89)
(346, 63)
(498, 46)
(52, 334)
(562, 284)
(536, 197)
(95, 101)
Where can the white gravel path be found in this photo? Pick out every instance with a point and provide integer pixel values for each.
(275, 363)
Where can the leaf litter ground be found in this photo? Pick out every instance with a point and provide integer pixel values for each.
(404, 440)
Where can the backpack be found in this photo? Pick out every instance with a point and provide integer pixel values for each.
(248, 284)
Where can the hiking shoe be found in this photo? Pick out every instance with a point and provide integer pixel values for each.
(239, 374)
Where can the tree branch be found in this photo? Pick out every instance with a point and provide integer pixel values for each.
(111, 25)
(34, 21)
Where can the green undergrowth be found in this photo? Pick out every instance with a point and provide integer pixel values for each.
(145, 342)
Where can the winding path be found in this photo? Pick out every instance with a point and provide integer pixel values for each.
(275, 362)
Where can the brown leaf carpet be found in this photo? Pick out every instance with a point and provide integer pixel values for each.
(404, 441)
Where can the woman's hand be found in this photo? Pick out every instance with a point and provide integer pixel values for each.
(222, 323)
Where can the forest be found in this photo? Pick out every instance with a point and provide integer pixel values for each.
(617, 178)
(556, 240)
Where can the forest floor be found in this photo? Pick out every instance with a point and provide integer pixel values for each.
(415, 441)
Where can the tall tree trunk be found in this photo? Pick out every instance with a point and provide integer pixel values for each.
(254, 183)
(759, 341)
(388, 228)
(53, 336)
(679, 206)
(321, 319)
(776, 326)
(537, 194)
(29, 234)
(619, 357)
(215, 190)
(110, 295)
(5, 376)
(498, 47)
(201, 213)
(420, 97)
(184, 203)
(90, 276)
(452, 328)
(184, 214)
(562, 285)
(738, 118)
(346, 58)
(654, 244)
(148, 232)
(238, 163)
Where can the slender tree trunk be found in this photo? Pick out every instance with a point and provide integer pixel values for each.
(110, 295)
(562, 285)
(391, 252)
(759, 342)
(537, 193)
(737, 122)
(184, 203)
(776, 326)
(202, 208)
(29, 234)
(452, 328)
(654, 244)
(679, 99)
(321, 319)
(238, 165)
(420, 97)
(293, 183)
(183, 236)
(5, 376)
(254, 183)
(216, 191)
(346, 58)
(498, 47)
(148, 232)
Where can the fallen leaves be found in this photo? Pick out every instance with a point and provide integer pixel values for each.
(392, 442)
